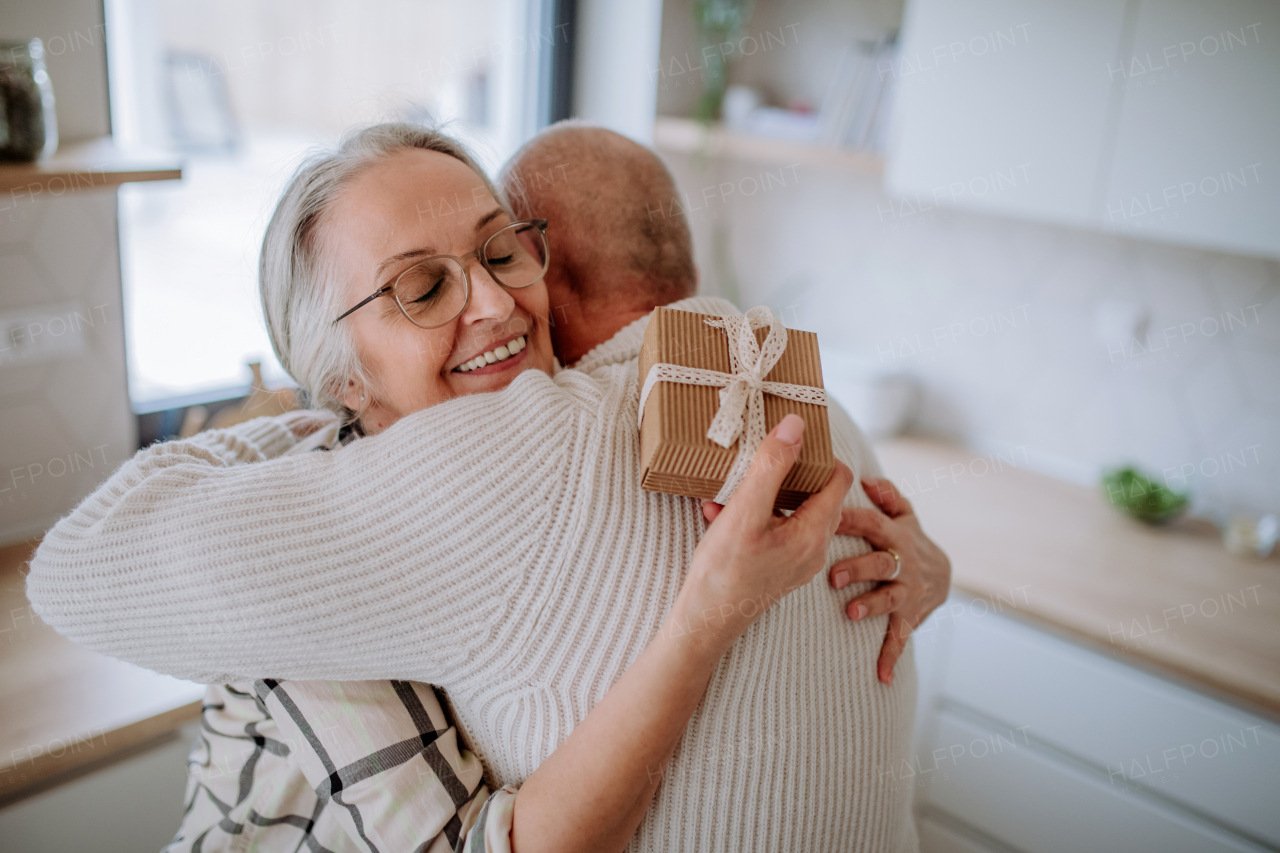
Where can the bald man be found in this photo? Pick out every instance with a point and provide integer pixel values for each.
(614, 260)
(621, 249)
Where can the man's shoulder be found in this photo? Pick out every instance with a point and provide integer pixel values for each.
(625, 345)
(849, 443)
(602, 382)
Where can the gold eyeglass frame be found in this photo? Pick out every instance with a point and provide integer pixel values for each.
(539, 225)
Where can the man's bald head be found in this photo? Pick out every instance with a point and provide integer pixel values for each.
(619, 246)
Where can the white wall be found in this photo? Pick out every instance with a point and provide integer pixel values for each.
(616, 62)
(65, 417)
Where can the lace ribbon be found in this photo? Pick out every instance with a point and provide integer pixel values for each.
(742, 391)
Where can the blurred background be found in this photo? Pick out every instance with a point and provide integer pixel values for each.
(1039, 242)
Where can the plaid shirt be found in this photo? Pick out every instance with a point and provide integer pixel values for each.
(332, 767)
(369, 766)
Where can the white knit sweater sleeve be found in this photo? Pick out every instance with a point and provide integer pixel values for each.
(381, 559)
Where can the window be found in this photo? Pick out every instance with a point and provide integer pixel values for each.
(242, 88)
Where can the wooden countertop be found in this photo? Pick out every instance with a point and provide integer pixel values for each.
(88, 165)
(65, 710)
(1171, 597)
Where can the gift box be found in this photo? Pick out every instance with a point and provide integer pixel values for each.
(712, 387)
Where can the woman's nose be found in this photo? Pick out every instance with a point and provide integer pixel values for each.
(489, 300)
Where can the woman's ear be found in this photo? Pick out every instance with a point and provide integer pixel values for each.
(354, 397)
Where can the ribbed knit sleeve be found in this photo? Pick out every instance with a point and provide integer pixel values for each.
(382, 559)
(252, 441)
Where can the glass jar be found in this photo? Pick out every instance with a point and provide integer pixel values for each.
(26, 101)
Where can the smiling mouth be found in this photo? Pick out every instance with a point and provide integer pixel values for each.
(492, 358)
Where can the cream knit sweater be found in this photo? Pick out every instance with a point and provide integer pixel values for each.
(499, 546)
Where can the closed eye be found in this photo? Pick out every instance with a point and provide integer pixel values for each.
(433, 293)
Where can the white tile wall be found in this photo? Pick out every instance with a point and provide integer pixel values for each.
(65, 420)
(996, 320)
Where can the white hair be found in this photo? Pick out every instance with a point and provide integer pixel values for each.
(300, 290)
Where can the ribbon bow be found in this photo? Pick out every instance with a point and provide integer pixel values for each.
(741, 412)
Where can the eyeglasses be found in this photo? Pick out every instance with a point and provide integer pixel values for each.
(435, 291)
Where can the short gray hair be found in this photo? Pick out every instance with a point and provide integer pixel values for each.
(297, 281)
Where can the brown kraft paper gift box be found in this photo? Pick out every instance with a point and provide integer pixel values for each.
(676, 457)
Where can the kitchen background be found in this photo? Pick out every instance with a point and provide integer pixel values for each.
(1073, 350)
(1069, 349)
(1037, 240)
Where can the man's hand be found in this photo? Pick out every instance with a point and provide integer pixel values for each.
(918, 589)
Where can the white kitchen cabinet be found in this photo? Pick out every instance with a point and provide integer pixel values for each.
(133, 805)
(1031, 742)
(1034, 802)
(939, 837)
(1154, 118)
(1144, 732)
(1002, 106)
(1197, 152)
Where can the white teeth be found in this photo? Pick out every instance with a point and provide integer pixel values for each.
(499, 353)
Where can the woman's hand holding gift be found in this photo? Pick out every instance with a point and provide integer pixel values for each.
(751, 557)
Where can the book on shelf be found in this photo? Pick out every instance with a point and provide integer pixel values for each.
(854, 107)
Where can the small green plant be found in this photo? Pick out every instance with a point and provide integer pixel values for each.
(1140, 496)
(717, 22)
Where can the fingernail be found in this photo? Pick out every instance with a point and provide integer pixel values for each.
(790, 429)
(841, 580)
(859, 612)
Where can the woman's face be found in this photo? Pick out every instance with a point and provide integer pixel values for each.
(412, 205)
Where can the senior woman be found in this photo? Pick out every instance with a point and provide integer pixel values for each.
(496, 544)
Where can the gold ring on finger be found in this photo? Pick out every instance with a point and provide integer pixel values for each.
(897, 563)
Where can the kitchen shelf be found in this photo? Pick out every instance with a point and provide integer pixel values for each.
(89, 165)
(690, 137)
